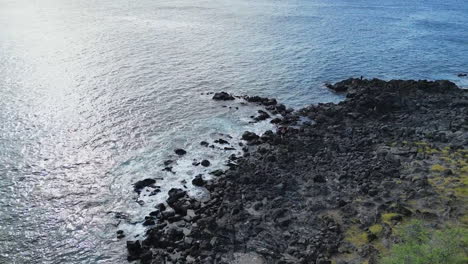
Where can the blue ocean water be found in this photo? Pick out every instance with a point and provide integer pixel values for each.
(95, 95)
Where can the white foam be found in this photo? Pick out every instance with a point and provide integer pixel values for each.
(228, 124)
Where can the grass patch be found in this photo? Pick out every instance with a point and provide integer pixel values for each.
(376, 229)
(464, 169)
(423, 245)
(389, 217)
(438, 168)
(356, 236)
(461, 192)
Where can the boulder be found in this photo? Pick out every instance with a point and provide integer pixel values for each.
(180, 152)
(205, 163)
(139, 185)
(262, 116)
(198, 180)
(249, 136)
(175, 195)
(134, 249)
(223, 96)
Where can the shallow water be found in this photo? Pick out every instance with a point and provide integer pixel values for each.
(95, 95)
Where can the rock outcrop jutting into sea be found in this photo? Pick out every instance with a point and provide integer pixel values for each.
(332, 189)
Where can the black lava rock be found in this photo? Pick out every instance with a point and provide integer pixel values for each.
(223, 96)
(221, 141)
(180, 152)
(249, 136)
(262, 116)
(142, 184)
(198, 180)
(205, 163)
(134, 249)
(217, 172)
(174, 195)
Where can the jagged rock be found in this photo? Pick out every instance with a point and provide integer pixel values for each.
(249, 136)
(198, 180)
(134, 250)
(139, 185)
(223, 96)
(217, 172)
(175, 195)
(221, 141)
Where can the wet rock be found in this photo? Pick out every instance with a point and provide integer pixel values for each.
(205, 163)
(134, 250)
(223, 96)
(249, 136)
(262, 116)
(154, 192)
(276, 120)
(270, 102)
(204, 143)
(217, 172)
(175, 195)
(462, 74)
(120, 234)
(198, 180)
(169, 169)
(161, 207)
(149, 222)
(155, 213)
(180, 152)
(221, 141)
(146, 257)
(139, 185)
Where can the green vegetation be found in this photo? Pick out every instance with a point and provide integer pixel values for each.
(423, 245)
(376, 229)
(356, 237)
(438, 168)
(389, 217)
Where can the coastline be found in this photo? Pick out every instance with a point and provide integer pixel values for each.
(312, 191)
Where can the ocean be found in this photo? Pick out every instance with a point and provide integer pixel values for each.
(96, 95)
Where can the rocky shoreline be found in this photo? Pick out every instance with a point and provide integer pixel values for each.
(329, 189)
